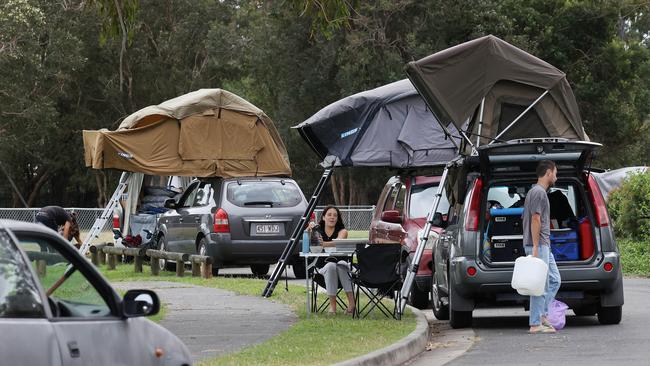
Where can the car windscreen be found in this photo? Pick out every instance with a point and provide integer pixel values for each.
(264, 193)
(421, 200)
(19, 297)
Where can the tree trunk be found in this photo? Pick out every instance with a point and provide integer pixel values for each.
(37, 187)
(100, 179)
(335, 188)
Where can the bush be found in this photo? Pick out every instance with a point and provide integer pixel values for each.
(629, 207)
(635, 257)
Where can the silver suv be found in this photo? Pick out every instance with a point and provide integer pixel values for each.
(474, 258)
(236, 221)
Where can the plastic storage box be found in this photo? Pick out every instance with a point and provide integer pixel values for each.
(564, 245)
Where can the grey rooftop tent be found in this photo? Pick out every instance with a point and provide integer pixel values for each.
(386, 126)
(489, 83)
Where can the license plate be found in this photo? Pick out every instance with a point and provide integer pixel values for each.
(267, 229)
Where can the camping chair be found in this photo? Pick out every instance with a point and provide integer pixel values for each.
(378, 276)
(319, 281)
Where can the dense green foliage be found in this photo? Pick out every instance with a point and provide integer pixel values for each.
(629, 207)
(635, 257)
(74, 65)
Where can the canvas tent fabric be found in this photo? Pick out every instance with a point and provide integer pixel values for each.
(387, 126)
(612, 179)
(454, 81)
(206, 133)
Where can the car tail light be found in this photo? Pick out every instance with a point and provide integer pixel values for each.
(602, 219)
(221, 224)
(473, 214)
(116, 221)
(471, 271)
(608, 266)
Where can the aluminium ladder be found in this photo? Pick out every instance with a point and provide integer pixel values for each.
(106, 215)
(297, 233)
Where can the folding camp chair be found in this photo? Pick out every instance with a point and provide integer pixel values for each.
(378, 277)
(319, 281)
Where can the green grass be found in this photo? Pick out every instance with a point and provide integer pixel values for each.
(314, 340)
(635, 257)
(358, 234)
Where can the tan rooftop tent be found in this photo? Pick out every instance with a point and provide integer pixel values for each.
(206, 133)
(490, 83)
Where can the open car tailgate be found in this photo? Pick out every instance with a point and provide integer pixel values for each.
(521, 156)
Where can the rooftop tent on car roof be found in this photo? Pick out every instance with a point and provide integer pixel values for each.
(386, 126)
(205, 133)
(491, 81)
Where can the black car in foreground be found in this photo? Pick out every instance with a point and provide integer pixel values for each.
(474, 258)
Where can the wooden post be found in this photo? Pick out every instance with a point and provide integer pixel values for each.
(94, 256)
(207, 270)
(137, 254)
(97, 257)
(112, 260)
(112, 255)
(41, 267)
(206, 265)
(196, 269)
(180, 268)
(155, 266)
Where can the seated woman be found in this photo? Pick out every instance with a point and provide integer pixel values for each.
(331, 227)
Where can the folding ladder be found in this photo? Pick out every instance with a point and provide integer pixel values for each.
(106, 215)
(297, 233)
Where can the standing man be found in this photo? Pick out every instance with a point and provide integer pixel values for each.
(537, 241)
(55, 216)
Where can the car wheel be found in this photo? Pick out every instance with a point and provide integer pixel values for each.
(418, 298)
(260, 270)
(585, 310)
(610, 314)
(457, 319)
(203, 250)
(299, 269)
(164, 264)
(440, 310)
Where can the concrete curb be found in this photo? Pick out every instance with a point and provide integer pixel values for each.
(400, 352)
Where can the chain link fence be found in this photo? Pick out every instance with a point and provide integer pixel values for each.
(354, 217)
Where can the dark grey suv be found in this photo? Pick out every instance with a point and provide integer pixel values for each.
(244, 221)
(474, 258)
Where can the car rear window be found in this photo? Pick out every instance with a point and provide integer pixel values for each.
(264, 193)
(422, 199)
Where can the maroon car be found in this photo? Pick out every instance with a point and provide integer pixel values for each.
(400, 214)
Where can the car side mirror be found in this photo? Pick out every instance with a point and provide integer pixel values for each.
(171, 203)
(140, 303)
(393, 216)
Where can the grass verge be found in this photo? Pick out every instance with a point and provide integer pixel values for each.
(635, 257)
(314, 340)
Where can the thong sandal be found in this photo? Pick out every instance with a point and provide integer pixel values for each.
(541, 329)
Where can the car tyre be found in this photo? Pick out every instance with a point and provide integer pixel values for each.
(164, 264)
(610, 314)
(440, 311)
(260, 270)
(587, 310)
(203, 250)
(418, 298)
(299, 269)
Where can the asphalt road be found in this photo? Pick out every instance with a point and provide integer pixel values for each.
(499, 337)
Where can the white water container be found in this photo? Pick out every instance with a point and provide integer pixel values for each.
(529, 276)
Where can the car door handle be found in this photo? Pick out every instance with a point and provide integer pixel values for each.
(74, 349)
